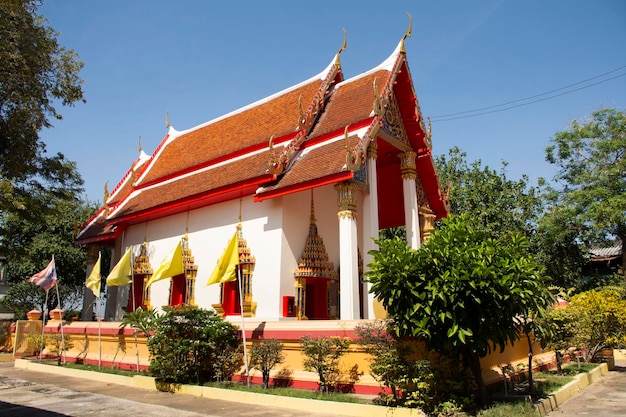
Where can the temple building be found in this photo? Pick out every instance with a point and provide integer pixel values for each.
(305, 178)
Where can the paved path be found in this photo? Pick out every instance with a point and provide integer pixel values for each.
(39, 394)
(604, 398)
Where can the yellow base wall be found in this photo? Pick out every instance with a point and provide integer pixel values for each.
(106, 344)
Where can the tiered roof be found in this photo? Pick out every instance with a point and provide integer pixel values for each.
(294, 140)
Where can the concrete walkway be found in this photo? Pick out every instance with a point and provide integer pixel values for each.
(39, 390)
(604, 398)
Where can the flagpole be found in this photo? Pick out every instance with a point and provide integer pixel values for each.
(61, 319)
(243, 322)
(43, 325)
(132, 288)
(98, 310)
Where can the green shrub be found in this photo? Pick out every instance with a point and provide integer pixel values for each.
(193, 345)
(322, 356)
(264, 356)
(392, 364)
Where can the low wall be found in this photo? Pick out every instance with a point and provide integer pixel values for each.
(106, 344)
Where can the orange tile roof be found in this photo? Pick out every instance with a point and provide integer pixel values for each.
(248, 128)
(351, 102)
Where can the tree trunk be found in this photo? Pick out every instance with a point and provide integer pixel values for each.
(531, 387)
(474, 364)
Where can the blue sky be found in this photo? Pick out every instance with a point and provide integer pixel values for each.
(199, 59)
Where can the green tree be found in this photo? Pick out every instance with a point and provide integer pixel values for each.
(28, 240)
(24, 296)
(495, 204)
(463, 292)
(37, 74)
(590, 156)
(264, 356)
(322, 355)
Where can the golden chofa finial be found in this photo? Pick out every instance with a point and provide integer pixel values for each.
(167, 121)
(343, 47)
(105, 205)
(139, 144)
(408, 32)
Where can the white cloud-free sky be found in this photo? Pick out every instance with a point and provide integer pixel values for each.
(551, 61)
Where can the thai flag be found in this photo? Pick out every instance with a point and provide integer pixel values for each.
(46, 278)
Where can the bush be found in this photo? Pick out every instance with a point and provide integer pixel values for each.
(322, 356)
(193, 345)
(264, 356)
(393, 365)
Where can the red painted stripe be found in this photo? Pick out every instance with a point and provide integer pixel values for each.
(307, 185)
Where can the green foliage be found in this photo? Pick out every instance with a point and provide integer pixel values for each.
(37, 73)
(143, 321)
(29, 239)
(463, 292)
(193, 345)
(591, 160)
(393, 365)
(24, 296)
(592, 320)
(264, 356)
(494, 203)
(322, 356)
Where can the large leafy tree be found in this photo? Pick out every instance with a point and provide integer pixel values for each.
(499, 205)
(37, 74)
(591, 161)
(29, 241)
(463, 292)
(494, 203)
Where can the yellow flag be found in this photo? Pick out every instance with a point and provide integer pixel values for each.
(171, 266)
(225, 270)
(94, 281)
(121, 272)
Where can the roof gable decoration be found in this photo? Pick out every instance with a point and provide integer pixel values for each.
(130, 178)
(385, 109)
(306, 121)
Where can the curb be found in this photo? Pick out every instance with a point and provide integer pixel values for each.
(296, 404)
(580, 382)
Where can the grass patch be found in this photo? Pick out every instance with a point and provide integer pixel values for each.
(509, 410)
(292, 392)
(95, 368)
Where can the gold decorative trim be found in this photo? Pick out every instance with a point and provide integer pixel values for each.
(347, 199)
(429, 135)
(408, 32)
(372, 150)
(353, 159)
(408, 165)
(105, 198)
(343, 47)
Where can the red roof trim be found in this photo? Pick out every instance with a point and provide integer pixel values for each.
(100, 238)
(303, 186)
